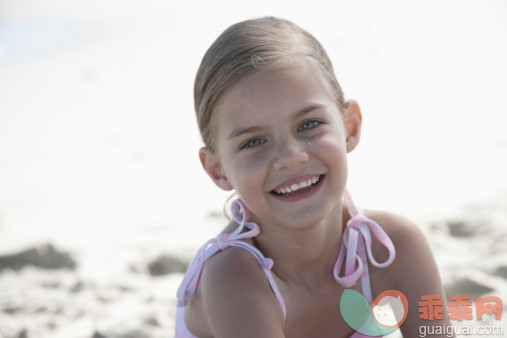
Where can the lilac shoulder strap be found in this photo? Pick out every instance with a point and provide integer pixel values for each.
(356, 249)
(223, 241)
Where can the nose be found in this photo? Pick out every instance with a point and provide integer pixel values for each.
(289, 154)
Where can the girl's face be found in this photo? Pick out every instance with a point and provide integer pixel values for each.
(281, 143)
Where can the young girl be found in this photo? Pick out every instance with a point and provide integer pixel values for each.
(277, 130)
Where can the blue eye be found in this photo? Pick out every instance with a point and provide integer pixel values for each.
(252, 143)
(309, 124)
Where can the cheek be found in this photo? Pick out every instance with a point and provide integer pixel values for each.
(331, 149)
(248, 172)
(332, 152)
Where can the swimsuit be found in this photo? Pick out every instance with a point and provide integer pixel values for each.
(355, 250)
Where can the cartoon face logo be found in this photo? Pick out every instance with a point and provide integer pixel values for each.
(390, 308)
(384, 316)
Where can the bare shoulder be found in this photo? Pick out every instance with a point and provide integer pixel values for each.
(236, 298)
(414, 271)
(412, 248)
(393, 224)
(402, 232)
(231, 266)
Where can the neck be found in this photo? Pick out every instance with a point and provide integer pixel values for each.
(316, 248)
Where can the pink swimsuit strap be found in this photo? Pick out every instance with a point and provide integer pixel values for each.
(356, 249)
(222, 242)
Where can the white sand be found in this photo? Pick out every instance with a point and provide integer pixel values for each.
(98, 144)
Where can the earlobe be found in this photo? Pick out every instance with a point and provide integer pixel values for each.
(213, 168)
(353, 122)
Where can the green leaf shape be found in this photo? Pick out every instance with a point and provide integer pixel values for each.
(357, 314)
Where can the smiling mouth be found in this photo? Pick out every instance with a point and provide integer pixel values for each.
(298, 188)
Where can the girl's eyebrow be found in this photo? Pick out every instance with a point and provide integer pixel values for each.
(310, 108)
(237, 132)
(299, 114)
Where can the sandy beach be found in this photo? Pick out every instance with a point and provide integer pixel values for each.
(102, 198)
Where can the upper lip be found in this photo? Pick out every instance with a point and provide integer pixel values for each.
(294, 180)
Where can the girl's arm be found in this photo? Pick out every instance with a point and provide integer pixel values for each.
(415, 273)
(237, 298)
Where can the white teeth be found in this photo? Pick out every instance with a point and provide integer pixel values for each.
(296, 186)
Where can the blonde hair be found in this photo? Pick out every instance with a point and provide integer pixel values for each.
(248, 47)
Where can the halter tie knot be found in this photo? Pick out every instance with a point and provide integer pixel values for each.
(223, 241)
(356, 221)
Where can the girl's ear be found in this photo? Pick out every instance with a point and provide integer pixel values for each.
(213, 167)
(353, 122)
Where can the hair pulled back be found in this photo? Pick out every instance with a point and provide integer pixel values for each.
(248, 47)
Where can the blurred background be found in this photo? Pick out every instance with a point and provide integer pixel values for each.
(102, 196)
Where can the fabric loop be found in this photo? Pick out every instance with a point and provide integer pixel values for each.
(356, 247)
(355, 252)
(222, 241)
(239, 211)
(349, 279)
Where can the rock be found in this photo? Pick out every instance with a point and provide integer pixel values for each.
(134, 334)
(215, 214)
(23, 334)
(152, 321)
(51, 324)
(44, 256)
(166, 264)
(124, 288)
(51, 284)
(11, 309)
(501, 271)
(41, 309)
(97, 334)
(466, 286)
(462, 229)
(127, 334)
(78, 287)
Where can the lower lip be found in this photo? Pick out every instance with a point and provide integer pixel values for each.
(305, 193)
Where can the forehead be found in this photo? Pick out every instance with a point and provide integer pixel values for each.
(270, 93)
